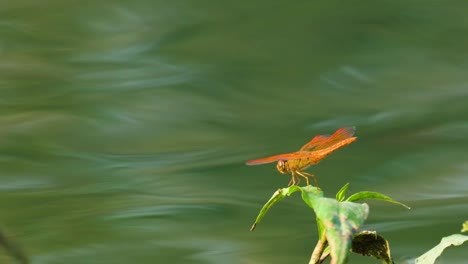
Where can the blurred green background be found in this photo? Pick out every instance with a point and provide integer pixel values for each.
(125, 125)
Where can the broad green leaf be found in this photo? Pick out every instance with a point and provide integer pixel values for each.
(431, 256)
(465, 226)
(341, 220)
(364, 195)
(309, 194)
(320, 228)
(368, 243)
(277, 196)
(341, 194)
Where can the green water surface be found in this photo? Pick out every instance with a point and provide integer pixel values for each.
(125, 125)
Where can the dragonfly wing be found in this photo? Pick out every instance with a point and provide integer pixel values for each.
(288, 156)
(317, 140)
(321, 142)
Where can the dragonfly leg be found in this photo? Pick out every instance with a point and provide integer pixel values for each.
(293, 179)
(305, 175)
(302, 175)
(291, 182)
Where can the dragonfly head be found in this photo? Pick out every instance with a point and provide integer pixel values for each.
(282, 166)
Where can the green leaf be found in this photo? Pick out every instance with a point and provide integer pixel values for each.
(341, 194)
(465, 226)
(341, 220)
(431, 256)
(320, 228)
(364, 195)
(277, 196)
(368, 243)
(310, 194)
(337, 221)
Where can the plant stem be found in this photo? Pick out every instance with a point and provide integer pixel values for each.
(318, 250)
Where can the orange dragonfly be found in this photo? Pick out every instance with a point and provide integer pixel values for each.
(310, 154)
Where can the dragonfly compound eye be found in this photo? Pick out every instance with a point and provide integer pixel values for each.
(282, 166)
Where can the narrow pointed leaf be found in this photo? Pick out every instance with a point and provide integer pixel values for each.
(341, 194)
(431, 256)
(277, 196)
(366, 195)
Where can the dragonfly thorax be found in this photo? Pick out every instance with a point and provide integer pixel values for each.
(282, 166)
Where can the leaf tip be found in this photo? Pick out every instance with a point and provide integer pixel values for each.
(253, 227)
(465, 226)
